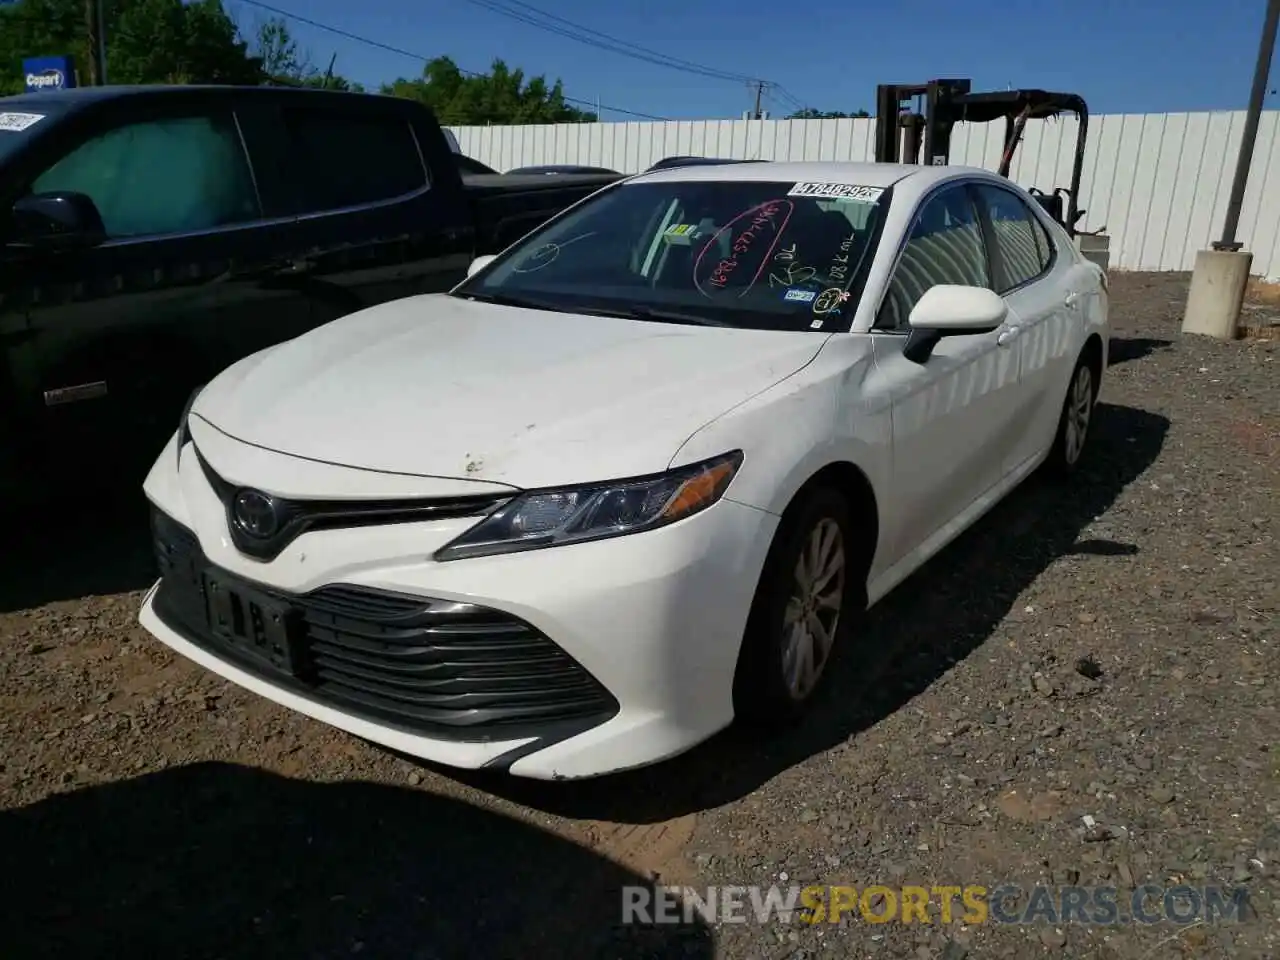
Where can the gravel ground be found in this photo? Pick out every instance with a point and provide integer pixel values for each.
(1082, 690)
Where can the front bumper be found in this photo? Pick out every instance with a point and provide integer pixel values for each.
(572, 661)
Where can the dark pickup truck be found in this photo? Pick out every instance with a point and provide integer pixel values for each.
(151, 236)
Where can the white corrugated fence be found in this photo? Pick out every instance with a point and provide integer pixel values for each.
(1157, 182)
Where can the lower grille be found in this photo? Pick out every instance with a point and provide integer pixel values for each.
(434, 667)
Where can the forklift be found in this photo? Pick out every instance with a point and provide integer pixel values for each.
(905, 133)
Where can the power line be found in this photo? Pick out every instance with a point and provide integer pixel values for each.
(535, 17)
(338, 31)
(527, 13)
(790, 97)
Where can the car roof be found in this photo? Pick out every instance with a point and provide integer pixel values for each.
(75, 98)
(666, 162)
(862, 174)
(553, 167)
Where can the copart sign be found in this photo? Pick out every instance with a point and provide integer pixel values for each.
(49, 73)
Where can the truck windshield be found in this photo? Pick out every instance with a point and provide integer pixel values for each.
(744, 253)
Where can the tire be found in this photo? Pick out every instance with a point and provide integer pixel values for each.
(1075, 420)
(767, 690)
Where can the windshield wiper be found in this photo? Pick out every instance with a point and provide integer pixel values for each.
(650, 313)
(507, 300)
(627, 313)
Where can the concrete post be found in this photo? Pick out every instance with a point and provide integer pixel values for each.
(1221, 274)
(1217, 293)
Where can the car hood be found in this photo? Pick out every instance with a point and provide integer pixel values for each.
(438, 386)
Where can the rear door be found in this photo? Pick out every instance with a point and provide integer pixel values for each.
(113, 338)
(368, 225)
(1033, 279)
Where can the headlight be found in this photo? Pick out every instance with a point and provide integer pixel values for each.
(548, 518)
(184, 435)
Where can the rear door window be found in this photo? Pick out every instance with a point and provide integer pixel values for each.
(338, 159)
(1023, 246)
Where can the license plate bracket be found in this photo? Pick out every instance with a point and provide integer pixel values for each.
(252, 624)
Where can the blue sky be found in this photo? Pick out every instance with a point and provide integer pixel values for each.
(1123, 56)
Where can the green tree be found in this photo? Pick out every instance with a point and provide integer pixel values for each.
(808, 113)
(147, 41)
(168, 41)
(284, 63)
(332, 81)
(502, 97)
(278, 51)
(35, 28)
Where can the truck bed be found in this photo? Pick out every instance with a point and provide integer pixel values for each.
(507, 207)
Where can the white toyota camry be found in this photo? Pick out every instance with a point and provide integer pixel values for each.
(637, 476)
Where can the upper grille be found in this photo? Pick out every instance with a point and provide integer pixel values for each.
(298, 516)
(449, 670)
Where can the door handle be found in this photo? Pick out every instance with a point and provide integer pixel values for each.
(1006, 336)
(273, 269)
(1070, 300)
(294, 268)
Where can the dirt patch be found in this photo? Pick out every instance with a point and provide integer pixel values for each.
(1263, 292)
(1260, 315)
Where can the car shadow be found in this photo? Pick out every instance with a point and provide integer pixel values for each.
(1125, 349)
(219, 860)
(65, 551)
(936, 618)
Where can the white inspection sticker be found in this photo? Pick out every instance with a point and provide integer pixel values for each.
(836, 191)
(17, 122)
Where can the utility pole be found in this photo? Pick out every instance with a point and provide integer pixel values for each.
(95, 28)
(759, 86)
(102, 43)
(91, 26)
(1221, 274)
(1249, 136)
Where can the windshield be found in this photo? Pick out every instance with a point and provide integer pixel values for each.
(758, 254)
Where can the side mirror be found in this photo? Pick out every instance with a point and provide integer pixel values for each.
(479, 263)
(951, 310)
(62, 219)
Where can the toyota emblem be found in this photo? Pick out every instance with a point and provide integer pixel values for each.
(255, 514)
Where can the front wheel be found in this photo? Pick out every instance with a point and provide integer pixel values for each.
(804, 607)
(1075, 420)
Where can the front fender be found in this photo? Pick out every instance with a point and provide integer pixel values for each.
(816, 418)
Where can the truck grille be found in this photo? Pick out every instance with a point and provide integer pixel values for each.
(448, 670)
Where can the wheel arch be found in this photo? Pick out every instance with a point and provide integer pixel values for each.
(852, 483)
(1094, 354)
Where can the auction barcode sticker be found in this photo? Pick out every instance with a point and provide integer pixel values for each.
(836, 191)
(17, 122)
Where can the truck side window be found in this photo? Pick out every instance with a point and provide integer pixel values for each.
(161, 176)
(327, 159)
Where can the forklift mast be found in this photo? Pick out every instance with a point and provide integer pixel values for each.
(905, 134)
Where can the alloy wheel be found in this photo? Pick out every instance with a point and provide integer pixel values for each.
(1079, 411)
(812, 613)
